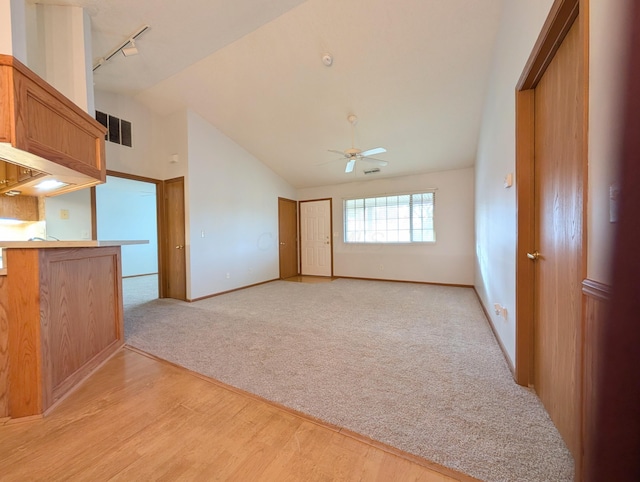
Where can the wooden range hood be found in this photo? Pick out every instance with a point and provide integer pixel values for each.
(44, 135)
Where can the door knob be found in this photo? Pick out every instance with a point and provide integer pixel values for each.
(535, 255)
(281, 243)
(179, 246)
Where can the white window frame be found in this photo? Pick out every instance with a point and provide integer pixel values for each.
(390, 219)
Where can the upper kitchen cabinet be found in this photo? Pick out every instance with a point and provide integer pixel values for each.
(46, 135)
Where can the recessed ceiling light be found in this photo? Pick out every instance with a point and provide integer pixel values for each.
(50, 184)
(327, 60)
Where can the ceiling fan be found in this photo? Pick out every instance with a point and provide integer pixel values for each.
(354, 154)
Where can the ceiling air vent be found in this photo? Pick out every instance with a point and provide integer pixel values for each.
(372, 171)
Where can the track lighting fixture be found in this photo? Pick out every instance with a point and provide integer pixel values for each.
(127, 47)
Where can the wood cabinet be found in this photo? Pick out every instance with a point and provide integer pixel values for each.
(45, 134)
(24, 208)
(62, 309)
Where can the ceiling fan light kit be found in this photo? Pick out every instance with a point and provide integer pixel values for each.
(354, 154)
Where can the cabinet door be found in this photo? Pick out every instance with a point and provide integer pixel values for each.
(23, 173)
(3, 174)
(11, 174)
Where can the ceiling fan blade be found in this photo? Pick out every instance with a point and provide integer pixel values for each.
(350, 165)
(377, 162)
(373, 152)
(336, 152)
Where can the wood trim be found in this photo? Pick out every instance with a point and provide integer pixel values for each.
(459, 476)
(584, 20)
(162, 247)
(595, 311)
(133, 177)
(562, 15)
(597, 290)
(333, 278)
(94, 213)
(505, 354)
(139, 275)
(4, 349)
(452, 285)
(231, 291)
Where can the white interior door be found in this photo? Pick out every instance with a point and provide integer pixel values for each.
(315, 237)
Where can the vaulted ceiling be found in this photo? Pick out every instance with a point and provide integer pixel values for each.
(414, 72)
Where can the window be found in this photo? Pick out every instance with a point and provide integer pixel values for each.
(404, 218)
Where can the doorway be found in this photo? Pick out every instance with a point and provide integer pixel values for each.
(551, 120)
(316, 254)
(125, 207)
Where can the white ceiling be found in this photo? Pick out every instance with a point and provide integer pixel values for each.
(413, 71)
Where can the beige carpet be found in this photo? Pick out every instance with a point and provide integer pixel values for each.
(414, 366)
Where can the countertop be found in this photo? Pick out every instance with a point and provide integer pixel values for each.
(88, 243)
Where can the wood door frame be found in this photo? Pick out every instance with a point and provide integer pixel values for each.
(160, 223)
(560, 19)
(330, 199)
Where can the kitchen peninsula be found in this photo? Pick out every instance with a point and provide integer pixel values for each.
(61, 316)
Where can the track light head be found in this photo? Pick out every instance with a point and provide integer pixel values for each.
(131, 50)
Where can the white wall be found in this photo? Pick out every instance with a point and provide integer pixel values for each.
(495, 206)
(78, 225)
(59, 50)
(606, 68)
(126, 209)
(140, 158)
(233, 199)
(520, 26)
(13, 38)
(449, 260)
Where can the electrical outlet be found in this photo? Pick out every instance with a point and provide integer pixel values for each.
(64, 214)
(228, 275)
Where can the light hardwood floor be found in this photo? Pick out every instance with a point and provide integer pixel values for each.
(140, 418)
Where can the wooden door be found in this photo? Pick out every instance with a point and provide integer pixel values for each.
(558, 269)
(551, 138)
(174, 257)
(288, 237)
(315, 238)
